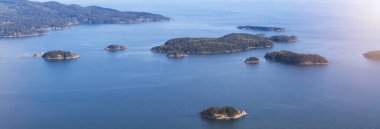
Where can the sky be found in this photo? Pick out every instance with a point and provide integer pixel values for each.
(368, 8)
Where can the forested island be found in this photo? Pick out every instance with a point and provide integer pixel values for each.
(372, 55)
(252, 60)
(227, 44)
(262, 28)
(289, 57)
(224, 113)
(115, 48)
(59, 55)
(284, 39)
(23, 18)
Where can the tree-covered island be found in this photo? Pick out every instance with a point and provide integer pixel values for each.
(288, 57)
(284, 39)
(224, 113)
(230, 43)
(59, 55)
(252, 60)
(262, 28)
(115, 48)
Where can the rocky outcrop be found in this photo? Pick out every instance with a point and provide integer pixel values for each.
(176, 55)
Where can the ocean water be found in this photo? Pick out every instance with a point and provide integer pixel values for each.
(138, 89)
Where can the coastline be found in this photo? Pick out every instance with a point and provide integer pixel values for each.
(45, 31)
(225, 117)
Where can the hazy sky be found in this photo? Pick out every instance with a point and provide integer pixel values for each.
(369, 8)
(369, 2)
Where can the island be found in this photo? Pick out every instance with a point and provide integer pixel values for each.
(262, 28)
(38, 54)
(176, 54)
(252, 60)
(372, 55)
(115, 48)
(284, 39)
(59, 55)
(293, 58)
(224, 113)
(230, 43)
(24, 18)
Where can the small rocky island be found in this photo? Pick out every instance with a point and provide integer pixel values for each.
(288, 57)
(262, 28)
(227, 44)
(59, 55)
(115, 48)
(38, 54)
(252, 60)
(224, 113)
(176, 55)
(284, 39)
(372, 55)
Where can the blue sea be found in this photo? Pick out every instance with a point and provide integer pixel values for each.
(139, 89)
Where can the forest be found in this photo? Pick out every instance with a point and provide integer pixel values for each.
(289, 57)
(234, 42)
(22, 18)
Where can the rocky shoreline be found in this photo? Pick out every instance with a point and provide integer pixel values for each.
(224, 113)
(176, 55)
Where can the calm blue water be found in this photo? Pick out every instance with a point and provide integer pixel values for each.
(138, 89)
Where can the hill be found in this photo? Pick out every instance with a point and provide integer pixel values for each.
(23, 18)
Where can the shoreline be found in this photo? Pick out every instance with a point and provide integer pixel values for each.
(45, 31)
(225, 117)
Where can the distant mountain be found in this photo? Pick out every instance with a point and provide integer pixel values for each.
(22, 18)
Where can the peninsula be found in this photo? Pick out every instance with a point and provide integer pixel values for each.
(288, 57)
(224, 113)
(23, 18)
(372, 55)
(227, 44)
